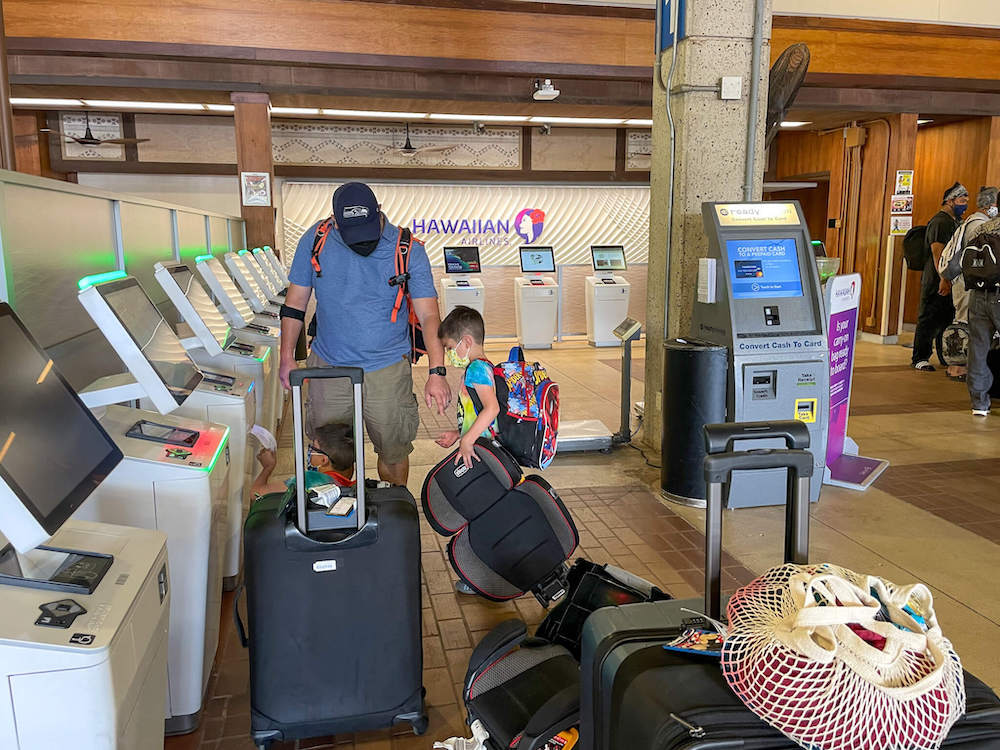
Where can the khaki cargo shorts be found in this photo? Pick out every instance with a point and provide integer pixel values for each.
(389, 407)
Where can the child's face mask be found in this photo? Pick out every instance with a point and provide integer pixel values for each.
(455, 359)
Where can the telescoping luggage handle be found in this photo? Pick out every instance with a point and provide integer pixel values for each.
(719, 467)
(295, 379)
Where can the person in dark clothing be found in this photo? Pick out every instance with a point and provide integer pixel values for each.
(936, 307)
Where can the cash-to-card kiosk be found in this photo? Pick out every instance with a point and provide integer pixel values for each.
(278, 283)
(246, 280)
(83, 634)
(143, 339)
(759, 295)
(460, 285)
(212, 344)
(264, 327)
(174, 478)
(607, 295)
(275, 263)
(536, 298)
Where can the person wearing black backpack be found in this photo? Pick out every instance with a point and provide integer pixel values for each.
(936, 308)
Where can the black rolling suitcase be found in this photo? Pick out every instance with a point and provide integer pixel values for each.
(636, 694)
(333, 613)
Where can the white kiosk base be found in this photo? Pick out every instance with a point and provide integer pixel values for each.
(457, 291)
(186, 497)
(607, 300)
(99, 682)
(536, 309)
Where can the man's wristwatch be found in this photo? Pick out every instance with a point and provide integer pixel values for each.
(439, 370)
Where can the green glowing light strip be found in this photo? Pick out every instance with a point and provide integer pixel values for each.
(242, 252)
(200, 258)
(99, 278)
(218, 451)
(267, 353)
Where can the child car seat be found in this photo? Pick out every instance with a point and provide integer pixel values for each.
(509, 534)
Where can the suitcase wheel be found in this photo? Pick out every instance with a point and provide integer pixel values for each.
(420, 725)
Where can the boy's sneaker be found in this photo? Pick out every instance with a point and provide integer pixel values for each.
(923, 365)
(462, 587)
(980, 412)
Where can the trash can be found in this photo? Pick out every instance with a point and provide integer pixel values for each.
(694, 394)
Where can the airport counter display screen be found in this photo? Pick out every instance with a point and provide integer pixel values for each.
(764, 268)
(461, 259)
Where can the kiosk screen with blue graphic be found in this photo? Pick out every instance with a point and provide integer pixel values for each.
(764, 268)
(537, 260)
(462, 259)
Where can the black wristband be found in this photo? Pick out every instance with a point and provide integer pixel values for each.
(439, 370)
(292, 312)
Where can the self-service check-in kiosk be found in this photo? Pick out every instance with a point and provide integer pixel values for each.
(607, 295)
(278, 283)
(259, 299)
(141, 337)
(265, 327)
(460, 285)
(276, 264)
(212, 344)
(759, 295)
(83, 635)
(174, 478)
(536, 298)
(265, 283)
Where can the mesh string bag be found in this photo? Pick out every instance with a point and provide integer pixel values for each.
(840, 661)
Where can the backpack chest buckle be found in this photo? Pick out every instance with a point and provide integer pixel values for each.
(399, 280)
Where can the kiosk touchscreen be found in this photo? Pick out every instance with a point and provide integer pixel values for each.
(759, 295)
(536, 298)
(234, 305)
(272, 291)
(175, 477)
(276, 264)
(212, 344)
(83, 636)
(128, 318)
(277, 282)
(607, 295)
(258, 298)
(460, 285)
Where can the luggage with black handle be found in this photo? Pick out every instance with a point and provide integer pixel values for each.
(333, 613)
(637, 694)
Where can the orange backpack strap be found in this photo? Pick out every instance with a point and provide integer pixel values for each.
(402, 277)
(319, 241)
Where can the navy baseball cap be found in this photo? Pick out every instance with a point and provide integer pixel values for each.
(355, 210)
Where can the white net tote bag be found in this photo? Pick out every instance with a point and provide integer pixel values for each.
(840, 661)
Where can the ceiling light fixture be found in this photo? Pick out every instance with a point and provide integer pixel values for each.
(544, 90)
(17, 101)
(794, 123)
(478, 118)
(220, 107)
(114, 104)
(923, 122)
(361, 113)
(578, 120)
(640, 123)
(295, 110)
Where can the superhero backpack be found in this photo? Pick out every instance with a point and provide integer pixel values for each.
(528, 423)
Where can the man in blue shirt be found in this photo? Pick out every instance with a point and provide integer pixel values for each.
(354, 305)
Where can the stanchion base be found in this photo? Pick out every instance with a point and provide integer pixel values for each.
(690, 502)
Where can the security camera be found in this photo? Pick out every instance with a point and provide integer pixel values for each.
(478, 127)
(545, 91)
(545, 129)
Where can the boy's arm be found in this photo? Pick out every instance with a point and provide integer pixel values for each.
(491, 409)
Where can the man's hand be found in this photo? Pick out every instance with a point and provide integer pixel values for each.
(267, 459)
(944, 288)
(448, 438)
(437, 392)
(287, 365)
(466, 450)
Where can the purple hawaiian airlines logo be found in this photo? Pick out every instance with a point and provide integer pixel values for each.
(529, 224)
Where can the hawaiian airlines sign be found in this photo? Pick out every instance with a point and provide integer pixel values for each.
(526, 228)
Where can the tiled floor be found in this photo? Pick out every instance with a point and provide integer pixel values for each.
(933, 516)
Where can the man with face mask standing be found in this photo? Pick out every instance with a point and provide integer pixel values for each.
(356, 326)
(936, 308)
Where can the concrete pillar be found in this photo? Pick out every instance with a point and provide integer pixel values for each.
(711, 149)
(252, 118)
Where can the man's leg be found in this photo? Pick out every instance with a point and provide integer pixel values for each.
(923, 337)
(979, 378)
(327, 400)
(392, 417)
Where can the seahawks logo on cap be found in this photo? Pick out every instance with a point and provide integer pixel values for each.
(356, 212)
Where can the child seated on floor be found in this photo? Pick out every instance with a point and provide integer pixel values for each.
(462, 332)
(330, 461)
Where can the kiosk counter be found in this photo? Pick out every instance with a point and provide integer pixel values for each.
(461, 285)
(536, 298)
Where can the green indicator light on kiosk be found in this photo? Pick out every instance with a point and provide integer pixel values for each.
(218, 451)
(99, 278)
(200, 258)
(816, 242)
(243, 252)
(267, 353)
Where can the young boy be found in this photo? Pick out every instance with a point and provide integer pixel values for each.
(330, 457)
(462, 332)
